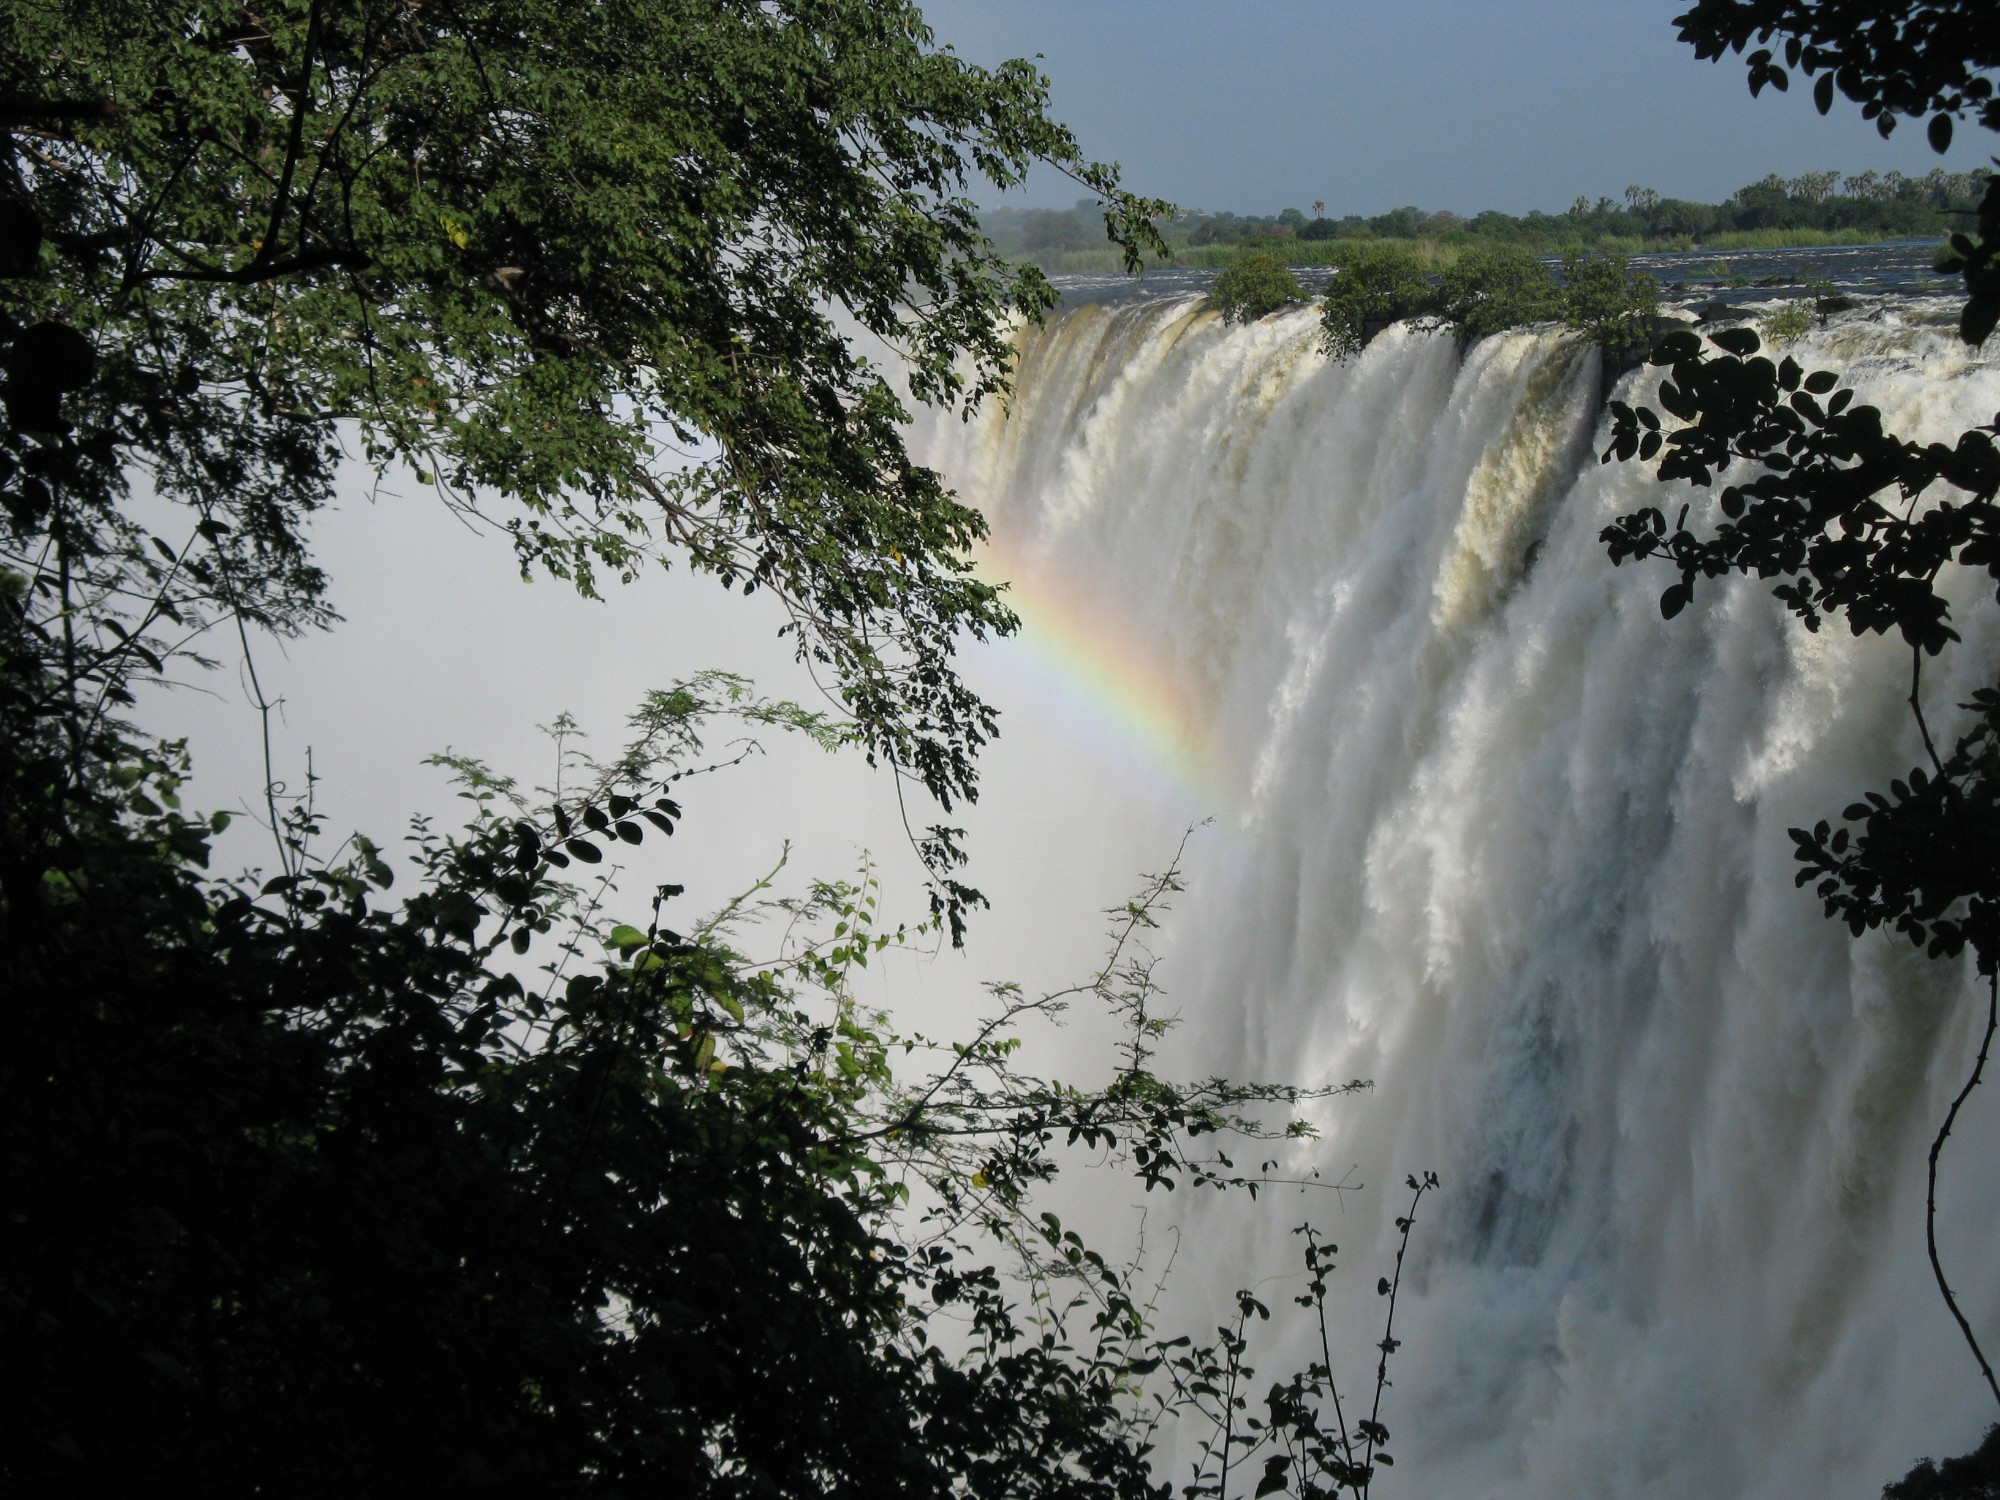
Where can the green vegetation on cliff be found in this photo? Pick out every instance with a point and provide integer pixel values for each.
(1256, 286)
(1484, 291)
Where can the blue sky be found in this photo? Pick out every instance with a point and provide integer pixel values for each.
(1254, 105)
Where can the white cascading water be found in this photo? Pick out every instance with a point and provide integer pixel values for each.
(1499, 838)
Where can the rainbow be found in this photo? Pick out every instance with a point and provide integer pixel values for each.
(1110, 678)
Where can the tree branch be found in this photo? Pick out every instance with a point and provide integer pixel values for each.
(22, 109)
(270, 270)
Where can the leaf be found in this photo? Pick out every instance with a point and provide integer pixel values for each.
(1741, 342)
(1675, 599)
(1681, 344)
(1939, 133)
(1978, 319)
(625, 938)
(586, 851)
(1823, 93)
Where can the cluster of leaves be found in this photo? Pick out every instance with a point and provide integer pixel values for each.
(1812, 515)
(1846, 516)
(1256, 286)
(1977, 259)
(1485, 293)
(585, 266)
(1787, 323)
(1919, 859)
(1931, 57)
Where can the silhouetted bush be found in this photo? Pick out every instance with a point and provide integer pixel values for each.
(1975, 1476)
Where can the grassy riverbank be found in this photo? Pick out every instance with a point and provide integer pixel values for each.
(1436, 254)
(1774, 213)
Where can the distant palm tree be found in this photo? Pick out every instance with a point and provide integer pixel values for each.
(1319, 209)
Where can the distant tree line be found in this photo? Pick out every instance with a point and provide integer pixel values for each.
(1889, 205)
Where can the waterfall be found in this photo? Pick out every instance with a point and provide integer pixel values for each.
(1497, 837)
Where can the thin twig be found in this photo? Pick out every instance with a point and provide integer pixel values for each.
(1917, 707)
(1389, 1327)
(1930, 1199)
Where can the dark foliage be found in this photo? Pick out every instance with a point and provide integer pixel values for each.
(316, 1189)
(1832, 513)
(313, 1191)
(319, 1190)
(1933, 57)
(1975, 1476)
(576, 265)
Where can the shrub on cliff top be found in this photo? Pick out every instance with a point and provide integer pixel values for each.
(1256, 286)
